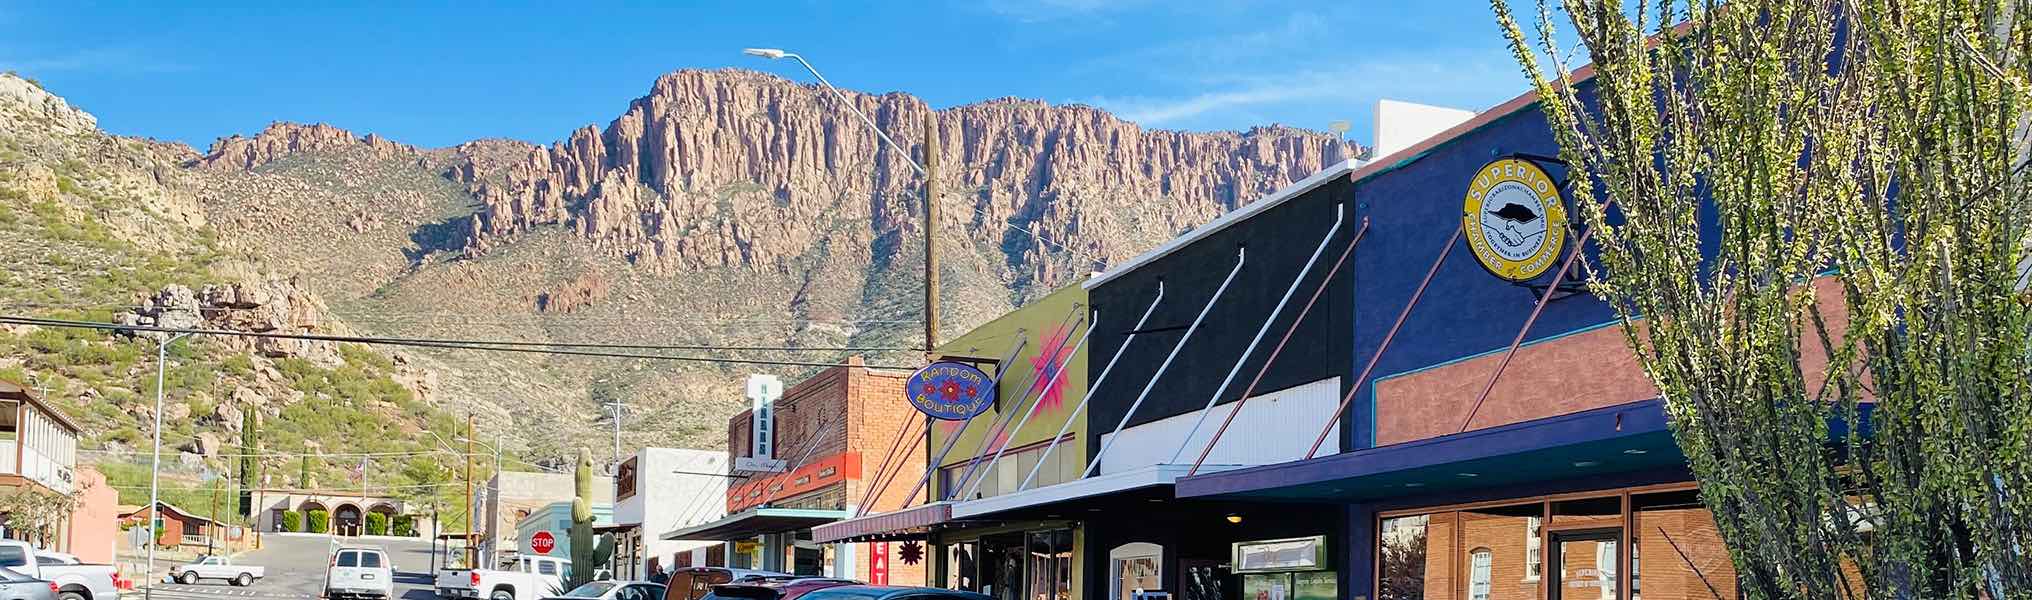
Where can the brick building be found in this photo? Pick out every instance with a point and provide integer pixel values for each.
(805, 456)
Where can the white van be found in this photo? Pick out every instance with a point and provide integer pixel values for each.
(359, 573)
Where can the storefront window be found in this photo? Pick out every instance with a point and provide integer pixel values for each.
(1135, 566)
(1050, 565)
(960, 570)
(1406, 559)
(1676, 550)
(1503, 531)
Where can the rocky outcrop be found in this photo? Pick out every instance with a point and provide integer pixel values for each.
(279, 306)
(41, 108)
(720, 168)
(282, 139)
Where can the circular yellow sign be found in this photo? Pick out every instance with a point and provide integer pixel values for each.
(1514, 219)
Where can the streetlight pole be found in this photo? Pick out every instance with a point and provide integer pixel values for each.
(929, 170)
(155, 463)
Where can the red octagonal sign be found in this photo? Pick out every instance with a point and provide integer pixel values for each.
(542, 542)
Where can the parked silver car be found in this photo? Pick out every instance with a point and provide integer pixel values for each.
(16, 585)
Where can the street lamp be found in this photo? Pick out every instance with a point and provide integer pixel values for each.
(155, 464)
(929, 172)
(777, 54)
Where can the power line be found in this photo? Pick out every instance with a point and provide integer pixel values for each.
(612, 346)
(420, 343)
(400, 315)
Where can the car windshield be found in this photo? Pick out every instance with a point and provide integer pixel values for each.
(590, 590)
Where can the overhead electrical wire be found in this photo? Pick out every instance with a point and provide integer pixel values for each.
(421, 343)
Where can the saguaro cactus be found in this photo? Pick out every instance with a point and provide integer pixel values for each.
(587, 555)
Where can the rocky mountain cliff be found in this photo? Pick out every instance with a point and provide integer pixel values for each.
(102, 228)
(723, 208)
(735, 168)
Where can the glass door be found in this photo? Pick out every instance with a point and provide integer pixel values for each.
(1584, 564)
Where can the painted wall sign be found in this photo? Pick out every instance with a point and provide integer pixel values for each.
(1514, 219)
(825, 471)
(950, 391)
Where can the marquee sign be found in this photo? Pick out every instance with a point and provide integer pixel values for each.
(1515, 219)
(950, 391)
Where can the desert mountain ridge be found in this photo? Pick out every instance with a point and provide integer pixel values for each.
(724, 207)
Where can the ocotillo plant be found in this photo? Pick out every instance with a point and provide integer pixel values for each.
(587, 556)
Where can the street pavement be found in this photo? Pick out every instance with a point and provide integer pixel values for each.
(296, 571)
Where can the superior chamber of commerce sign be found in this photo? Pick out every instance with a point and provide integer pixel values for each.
(1514, 219)
(951, 391)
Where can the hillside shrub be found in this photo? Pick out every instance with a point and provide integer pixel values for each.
(292, 521)
(319, 521)
(377, 524)
(405, 525)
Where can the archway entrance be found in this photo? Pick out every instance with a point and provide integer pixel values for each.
(346, 521)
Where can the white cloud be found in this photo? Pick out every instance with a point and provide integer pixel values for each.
(111, 60)
(1464, 81)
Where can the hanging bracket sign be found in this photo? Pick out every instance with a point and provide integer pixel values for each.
(1515, 219)
(950, 391)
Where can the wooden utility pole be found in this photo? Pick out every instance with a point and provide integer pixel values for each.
(930, 232)
(472, 553)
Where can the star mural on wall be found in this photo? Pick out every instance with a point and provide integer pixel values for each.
(1050, 359)
(910, 552)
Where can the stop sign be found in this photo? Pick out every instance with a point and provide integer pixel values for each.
(542, 542)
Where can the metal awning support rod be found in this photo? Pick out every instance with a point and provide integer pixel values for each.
(1340, 216)
(887, 458)
(1241, 258)
(1274, 352)
(1385, 346)
(1543, 299)
(1095, 385)
(891, 465)
(1004, 417)
(1056, 376)
(930, 467)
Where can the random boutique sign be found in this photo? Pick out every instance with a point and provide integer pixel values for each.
(950, 391)
(1514, 219)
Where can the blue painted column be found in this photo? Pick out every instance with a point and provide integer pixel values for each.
(1358, 563)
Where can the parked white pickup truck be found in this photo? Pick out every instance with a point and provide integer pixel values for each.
(217, 567)
(73, 581)
(530, 578)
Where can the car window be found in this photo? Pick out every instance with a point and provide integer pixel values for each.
(371, 560)
(545, 567)
(349, 559)
(12, 576)
(13, 556)
(843, 594)
(649, 591)
(590, 590)
(213, 560)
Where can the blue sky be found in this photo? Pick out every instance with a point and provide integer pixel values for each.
(436, 74)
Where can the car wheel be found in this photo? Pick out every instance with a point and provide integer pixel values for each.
(70, 596)
(244, 580)
(188, 578)
(503, 595)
